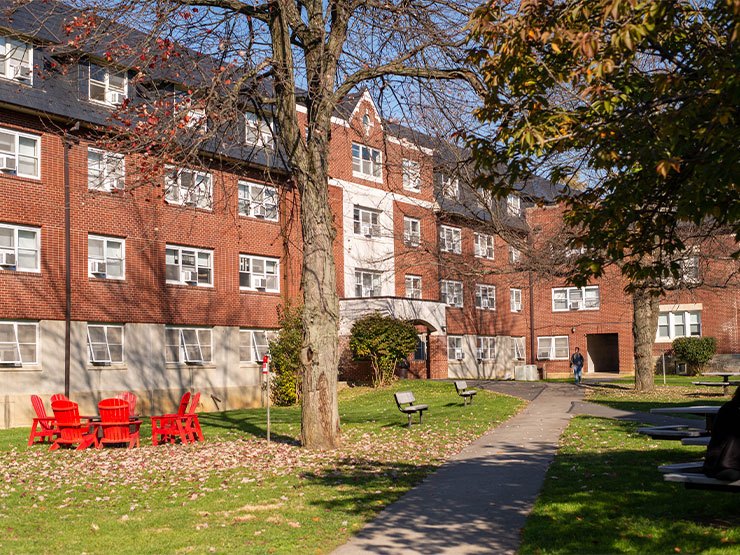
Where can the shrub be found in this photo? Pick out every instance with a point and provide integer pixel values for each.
(285, 352)
(384, 340)
(695, 351)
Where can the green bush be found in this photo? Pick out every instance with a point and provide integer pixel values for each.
(285, 352)
(695, 352)
(384, 341)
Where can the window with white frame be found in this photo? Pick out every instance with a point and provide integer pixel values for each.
(188, 187)
(553, 348)
(366, 162)
(19, 154)
(105, 257)
(485, 296)
(188, 345)
(514, 205)
(411, 175)
(515, 299)
(254, 344)
(19, 342)
(411, 232)
(449, 185)
(420, 353)
(189, 266)
(515, 256)
(518, 351)
(690, 269)
(107, 87)
(450, 239)
(486, 348)
(576, 298)
(19, 248)
(105, 170)
(259, 131)
(260, 273)
(258, 200)
(17, 60)
(454, 347)
(367, 283)
(366, 222)
(483, 245)
(451, 292)
(485, 197)
(675, 324)
(413, 287)
(105, 343)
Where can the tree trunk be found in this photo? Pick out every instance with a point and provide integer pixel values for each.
(644, 327)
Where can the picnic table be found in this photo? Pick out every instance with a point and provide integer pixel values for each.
(707, 411)
(725, 383)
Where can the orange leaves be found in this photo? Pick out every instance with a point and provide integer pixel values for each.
(665, 166)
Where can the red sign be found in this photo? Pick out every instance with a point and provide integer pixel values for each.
(264, 364)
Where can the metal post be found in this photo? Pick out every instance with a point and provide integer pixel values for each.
(663, 357)
(268, 402)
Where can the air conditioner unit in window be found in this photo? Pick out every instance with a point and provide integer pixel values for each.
(484, 302)
(259, 211)
(97, 267)
(517, 307)
(117, 184)
(190, 276)
(189, 199)
(22, 73)
(367, 230)
(7, 259)
(7, 163)
(575, 305)
(260, 283)
(458, 355)
(116, 98)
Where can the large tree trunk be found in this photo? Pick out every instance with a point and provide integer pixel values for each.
(644, 327)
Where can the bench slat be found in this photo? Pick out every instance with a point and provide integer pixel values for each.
(701, 481)
(403, 397)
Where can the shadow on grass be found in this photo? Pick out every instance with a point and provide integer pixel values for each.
(254, 422)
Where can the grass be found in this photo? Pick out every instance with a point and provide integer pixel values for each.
(604, 494)
(233, 493)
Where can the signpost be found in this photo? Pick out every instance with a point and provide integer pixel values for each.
(266, 371)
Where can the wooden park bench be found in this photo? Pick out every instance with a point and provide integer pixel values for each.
(462, 390)
(407, 398)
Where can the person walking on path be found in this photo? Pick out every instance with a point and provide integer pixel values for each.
(576, 362)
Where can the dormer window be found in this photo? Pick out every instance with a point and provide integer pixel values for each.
(450, 185)
(366, 123)
(259, 131)
(17, 60)
(107, 87)
(514, 205)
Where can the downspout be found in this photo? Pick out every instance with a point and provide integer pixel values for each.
(532, 358)
(67, 269)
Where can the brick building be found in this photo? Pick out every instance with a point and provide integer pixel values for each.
(175, 276)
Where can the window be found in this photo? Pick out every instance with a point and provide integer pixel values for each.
(106, 87)
(17, 60)
(411, 232)
(514, 205)
(486, 348)
(19, 154)
(678, 324)
(413, 287)
(483, 245)
(690, 269)
(258, 201)
(515, 299)
(553, 348)
(19, 248)
(449, 185)
(450, 239)
(254, 344)
(189, 345)
(189, 266)
(105, 257)
(105, 343)
(451, 292)
(366, 222)
(518, 348)
(188, 187)
(259, 131)
(485, 296)
(367, 284)
(18, 342)
(421, 348)
(514, 255)
(105, 170)
(411, 175)
(454, 347)
(260, 273)
(576, 298)
(366, 162)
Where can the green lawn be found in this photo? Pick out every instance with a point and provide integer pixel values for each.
(233, 493)
(604, 494)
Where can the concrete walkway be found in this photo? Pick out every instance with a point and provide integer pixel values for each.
(479, 501)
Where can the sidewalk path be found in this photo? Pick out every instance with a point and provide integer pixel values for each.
(478, 501)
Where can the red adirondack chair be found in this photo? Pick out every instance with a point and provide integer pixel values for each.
(190, 420)
(71, 430)
(59, 397)
(116, 424)
(130, 398)
(43, 426)
(170, 426)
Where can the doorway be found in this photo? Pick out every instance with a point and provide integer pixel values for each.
(603, 352)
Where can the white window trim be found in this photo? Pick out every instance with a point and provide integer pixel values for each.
(490, 296)
(16, 229)
(265, 260)
(106, 85)
(444, 286)
(481, 246)
(197, 251)
(182, 354)
(456, 239)
(107, 183)
(456, 352)
(450, 186)
(18, 135)
(514, 205)
(410, 238)
(552, 350)
(368, 176)
(253, 205)
(376, 276)
(357, 222)
(15, 324)
(411, 175)
(105, 240)
(106, 327)
(487, 352)
(570, 302)
(519, 348)
(6, 74)
(514, 305)
(410, 278)
(264, 128)
(184, 197)
(671, 325)
(270, 335)
(515, 255)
